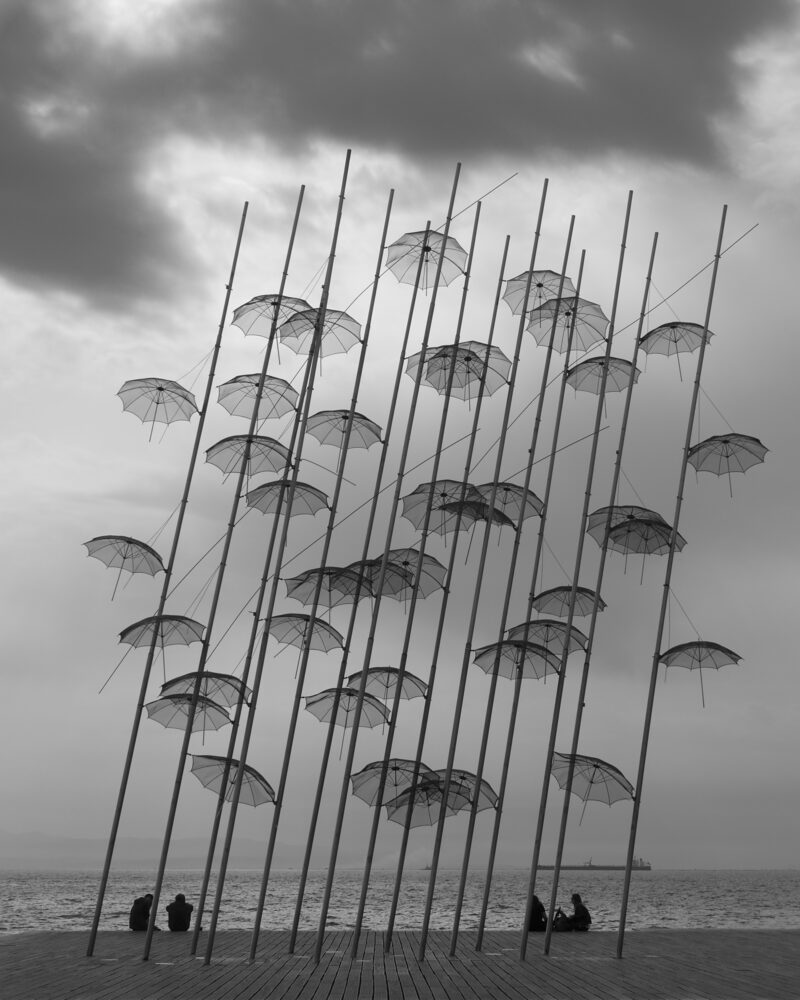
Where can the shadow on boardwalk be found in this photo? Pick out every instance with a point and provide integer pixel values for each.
(658, 965)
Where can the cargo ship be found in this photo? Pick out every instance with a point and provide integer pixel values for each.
(639, 865)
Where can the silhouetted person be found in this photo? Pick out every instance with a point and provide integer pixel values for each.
(538, 922)
(140, 913)
(578, 921)
(179, 914)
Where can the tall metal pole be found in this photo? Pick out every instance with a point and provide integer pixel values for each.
(637, 801)
(163, 598)
(200, 907)
(343, 795)
(312, 365)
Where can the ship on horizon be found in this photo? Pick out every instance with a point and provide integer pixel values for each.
(639, 865)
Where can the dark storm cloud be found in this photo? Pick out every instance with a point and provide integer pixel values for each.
(454, 79)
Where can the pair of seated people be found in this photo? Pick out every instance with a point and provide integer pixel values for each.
(179, 913)
(579, 920)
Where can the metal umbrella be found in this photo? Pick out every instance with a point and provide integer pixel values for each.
(591, 323)
(404, 256)
(395, 581)
(483, 791)
(343, 702)
(157, 401)
(265, 455)
(292, 629)
(256, 317)
(340, 586)
(212, 771)
(674, 338)
(340, 332)
(173, 710)
(514, 501)
(432, 575)
(269, 498)
(587, 376)
(514, 658)
(238, 396)
(427, 798)
(556, 601)
(121, 552)
(725, 454)
(168, 630)
(596, 522)
(545, 285)
(330, 426)
(465, 513)
(415, 504)
(382, 682)
(399, 776)
(224, 689)
(696, 655)
(468, 362)
(592, 779)
(550, 633)
(643, 535)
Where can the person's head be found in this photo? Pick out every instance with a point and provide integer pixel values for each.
(576, 899)
(180, 898)
(535, 900)
(149, 897)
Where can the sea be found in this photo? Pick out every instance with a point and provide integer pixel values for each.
(755, 898)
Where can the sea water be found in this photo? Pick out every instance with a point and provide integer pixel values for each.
(658, 899)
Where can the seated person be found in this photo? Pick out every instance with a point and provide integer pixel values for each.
(179, 914)
(538, 917)
(140, 913)
(578, 921)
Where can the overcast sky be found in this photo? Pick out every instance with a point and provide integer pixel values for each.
(132, 138)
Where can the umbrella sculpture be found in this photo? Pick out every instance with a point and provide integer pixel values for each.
(403, 258)
(238, 396)
(330, 426)
(591, 323)
(427, 799)
(397, 581)
(512, 500)
(596, 522)
(210, 772)
(224, 689)
(340, 586)
(266, 454)
(556, 601)
(592, 779)
(256, 317)
(268, 498)
(487, 797)
(432, 575)
(587, 376)
(292, 629)
(514, 658)
(544, 286)
(121, 552)
(340, 332)
(415, 504)
(727, 453)
(471, 511)
(382, 682)
(399, 776)
(169, 630)
(644, 535)
(674, 338)
(550, 633)
(468, 363)
(696, 655)
(173, 710)
(157, 400)
(373, 712)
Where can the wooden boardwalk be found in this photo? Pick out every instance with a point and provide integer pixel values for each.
(658, 965)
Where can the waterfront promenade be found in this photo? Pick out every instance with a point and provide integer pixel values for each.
(658, 965)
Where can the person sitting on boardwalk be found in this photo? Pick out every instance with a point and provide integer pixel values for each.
(140, 913)
(179, 914)
(578, 921)
(538, 917)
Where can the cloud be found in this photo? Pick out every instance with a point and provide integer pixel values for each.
(95, 93)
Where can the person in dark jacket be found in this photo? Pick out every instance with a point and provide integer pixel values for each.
(538, 922)
(578, 921)
(179, 914)
(140, 913)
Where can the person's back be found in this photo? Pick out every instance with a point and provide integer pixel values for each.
(140, 913)
(581, 918)
(538, 917)
(179, 914)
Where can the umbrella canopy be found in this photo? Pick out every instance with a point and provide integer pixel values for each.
(172, 711)
(643, 535)
(399, 776)
(512, 500)
(674, 338)
(513, 658)
(373, 712)
(487, 797)
(471, 511)
(593, 779)
(544, 286)
(551, 633)
(266, 454)
(169, 630)
(397, 581)
(426, 803)
(210, 772)
(293, 630)
(157, 400)
(556, 601)
(432, 575)
(403, 258)
(238, 396)
(330, 426)
(340, 332)
(696, 656)
(339, 586)
(224, 689)
(469, 364)
(305, 500)
(591, 323)
(727, 453)
(415, 504)
(121, 552)
(382, 682)
(587, 376)
(256, 317)
(596, 523)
